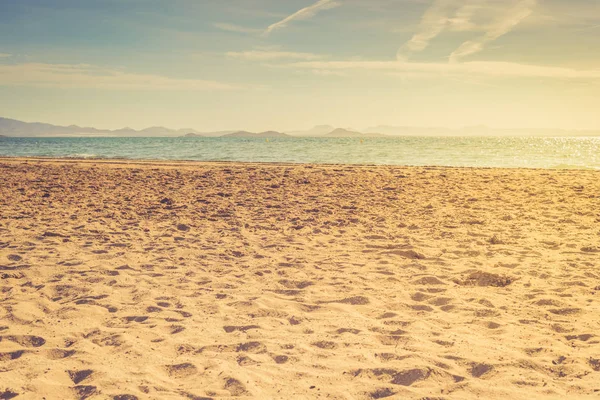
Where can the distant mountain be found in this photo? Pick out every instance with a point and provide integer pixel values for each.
(411, 131)
(127, 131)
(267, 134)
(194, 133)
(216, 134)
(12, 127)
(157, 131)
(345, 133)
(318, 130)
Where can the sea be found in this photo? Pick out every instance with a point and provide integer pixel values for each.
(505, 152)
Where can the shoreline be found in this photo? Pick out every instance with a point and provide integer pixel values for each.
(158, 162)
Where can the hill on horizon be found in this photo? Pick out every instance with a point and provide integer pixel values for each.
(345, 133)
(317, 130)
(15, 128)
(246, 134)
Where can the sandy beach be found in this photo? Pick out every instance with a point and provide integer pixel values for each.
(140, 280)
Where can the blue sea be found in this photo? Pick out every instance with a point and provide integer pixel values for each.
(511, 152)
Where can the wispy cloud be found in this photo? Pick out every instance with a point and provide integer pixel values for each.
(5, 55)
(93, 77)
(502, 26)
(305, 13)
(587, 28)
(488, 16)
(235, 28)
(481, 68)
(270, 55)
(433, 23)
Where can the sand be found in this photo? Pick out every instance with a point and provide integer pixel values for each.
(125, 280)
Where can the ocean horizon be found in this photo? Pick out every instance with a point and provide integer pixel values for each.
(502, 152)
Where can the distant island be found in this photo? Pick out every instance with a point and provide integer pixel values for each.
(14, 128)
(345, 133)
(267, 134)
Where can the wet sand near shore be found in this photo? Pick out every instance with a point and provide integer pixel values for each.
(160, 280)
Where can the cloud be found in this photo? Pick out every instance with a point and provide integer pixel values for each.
(488, 16)
(5, 55)
(93, 77)
(590, 27)
(305, 13)
(434, 22)
(269, 55)
(480, 68)
(503, 26)
(235, 28)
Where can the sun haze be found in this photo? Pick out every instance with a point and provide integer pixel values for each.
(299, 199)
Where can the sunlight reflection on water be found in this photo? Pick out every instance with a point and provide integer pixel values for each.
(532, 152)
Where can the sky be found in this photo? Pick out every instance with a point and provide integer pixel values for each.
(292, 64)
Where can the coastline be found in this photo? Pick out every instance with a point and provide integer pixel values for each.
(215, 279)
(196, 163)
(482, 152)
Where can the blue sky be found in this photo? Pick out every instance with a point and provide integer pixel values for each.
(273, 64)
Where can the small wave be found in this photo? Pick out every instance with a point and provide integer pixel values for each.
(83, 155)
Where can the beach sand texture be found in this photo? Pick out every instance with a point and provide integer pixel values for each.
(125, 280)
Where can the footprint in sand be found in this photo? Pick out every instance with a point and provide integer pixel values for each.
(324, 344)
(295, 284)
(180, 371)
(84, 391)
(480, 278)
(583, 338)
(479, 370)
(235, 387)
(252, 347)
(79, 376)
(245, 361)
(407, 378)
(355, 301)
(58, 354)
(429, 280)
(402, 378)
(174, 329)
(13, 355)
(421, 307)
(230, 329)
(381, 393)
(26, 340)
(420, 296)
(281, 359)
(565, 311)
(8, 394)
(136, 318)
(347, 330)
